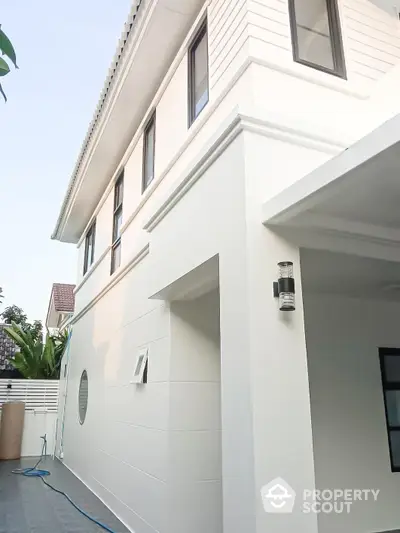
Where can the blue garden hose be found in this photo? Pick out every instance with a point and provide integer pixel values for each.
(36, 472)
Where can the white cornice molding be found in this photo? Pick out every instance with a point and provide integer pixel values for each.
(234, 125)
(114, 279)
(197, 170)
(92, 269)
(359, 231)
(340, 241)
(313, 76)
(300, 136)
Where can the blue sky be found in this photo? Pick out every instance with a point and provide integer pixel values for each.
(63, 51)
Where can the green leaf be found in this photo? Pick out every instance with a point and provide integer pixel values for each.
(7, 48)
(36, 360)
(16, 336)
(4, 68)
(48, 355)
(19, 363)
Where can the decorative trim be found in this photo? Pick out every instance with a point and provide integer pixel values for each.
(194, 130)
(92, 269)
(115, 278)
(238, 122)
(313, 76)
(320, 143)
(359, 231)
(306, 74)
(214, 151)
(298, 135)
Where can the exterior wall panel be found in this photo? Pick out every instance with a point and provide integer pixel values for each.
(347, 408)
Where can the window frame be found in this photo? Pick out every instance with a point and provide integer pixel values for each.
(336, 39)
(141, 367)
(150, 123)
(117, 211)
(88, 261)
(80, 417)
(201, 32)
(387, 386)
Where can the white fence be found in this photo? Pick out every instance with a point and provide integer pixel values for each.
(41, 404)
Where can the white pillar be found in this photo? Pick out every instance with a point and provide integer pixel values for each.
(266, 420)
(239, 506)
(283, 445)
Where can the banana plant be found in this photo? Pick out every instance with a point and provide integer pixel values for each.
(35, 359)
(6, 49)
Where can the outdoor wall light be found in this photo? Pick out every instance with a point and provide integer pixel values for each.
(284, 287)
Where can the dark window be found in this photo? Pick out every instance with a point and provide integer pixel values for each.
(89, 248)
(149, 145)
(316, 35)
(198, 73)
(117, 223)
(390, 369)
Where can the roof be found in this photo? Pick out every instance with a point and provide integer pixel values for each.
(366, 170)
(7, 349)
(349, 204)
(64, 298)
(127, 31)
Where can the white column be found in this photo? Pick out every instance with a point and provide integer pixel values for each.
(239, 506)
(266, 420)
(283, 445)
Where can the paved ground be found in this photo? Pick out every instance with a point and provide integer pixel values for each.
(28, 506)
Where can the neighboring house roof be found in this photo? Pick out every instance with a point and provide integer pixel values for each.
(7, 349)
(64, 298)
(99, 108)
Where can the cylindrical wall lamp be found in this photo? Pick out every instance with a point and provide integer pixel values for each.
(284, 287)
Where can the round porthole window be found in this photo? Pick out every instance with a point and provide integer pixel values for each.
(83, 397)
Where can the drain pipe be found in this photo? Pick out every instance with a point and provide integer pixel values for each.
(61, 420)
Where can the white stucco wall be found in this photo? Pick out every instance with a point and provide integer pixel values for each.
(205, 201)
(348, 417)
(252, 71)
(122, 451)
(130, 443)
(195, 459)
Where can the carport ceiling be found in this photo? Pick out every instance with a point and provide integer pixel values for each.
(336, 273)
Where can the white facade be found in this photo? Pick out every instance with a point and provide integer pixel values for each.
(226, 407)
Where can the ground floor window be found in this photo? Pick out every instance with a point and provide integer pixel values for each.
(390, 370)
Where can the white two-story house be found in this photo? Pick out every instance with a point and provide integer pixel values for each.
(230, 136)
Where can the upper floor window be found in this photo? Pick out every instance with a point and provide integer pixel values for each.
(89, 247)
(198, 73)
(316, 35)
(390, 369)
(149, 145)
(117, 223)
